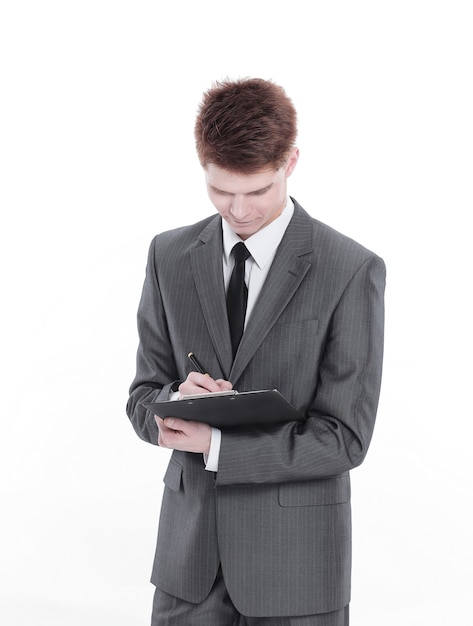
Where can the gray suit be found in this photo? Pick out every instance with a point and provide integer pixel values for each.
(276, 515)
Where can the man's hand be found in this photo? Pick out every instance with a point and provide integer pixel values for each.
(202, 383)
(184, 435)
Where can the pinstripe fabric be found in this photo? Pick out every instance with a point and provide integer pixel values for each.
(217, 610)
(277, 514)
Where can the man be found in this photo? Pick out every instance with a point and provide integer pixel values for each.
(255, 522)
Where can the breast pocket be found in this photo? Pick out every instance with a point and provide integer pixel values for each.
(334, 490)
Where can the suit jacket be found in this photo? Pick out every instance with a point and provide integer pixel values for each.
(276, 515)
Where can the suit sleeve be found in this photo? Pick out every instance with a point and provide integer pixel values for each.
(340, 420)
(156, 375)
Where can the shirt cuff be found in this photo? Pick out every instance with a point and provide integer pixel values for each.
(211, 459)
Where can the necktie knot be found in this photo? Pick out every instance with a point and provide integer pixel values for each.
(240, 251)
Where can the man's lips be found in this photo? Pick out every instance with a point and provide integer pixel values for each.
(240, 223)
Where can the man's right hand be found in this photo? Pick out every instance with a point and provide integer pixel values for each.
(202, 383)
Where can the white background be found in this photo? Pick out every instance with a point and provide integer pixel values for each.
(98, 101)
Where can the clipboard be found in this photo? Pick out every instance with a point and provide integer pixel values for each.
(230, 409)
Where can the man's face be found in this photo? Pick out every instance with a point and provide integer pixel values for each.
(249, 202)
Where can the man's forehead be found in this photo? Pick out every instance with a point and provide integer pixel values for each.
(234, 182)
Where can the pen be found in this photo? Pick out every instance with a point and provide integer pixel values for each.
(196, 364)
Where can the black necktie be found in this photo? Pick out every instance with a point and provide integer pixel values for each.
(237, 295)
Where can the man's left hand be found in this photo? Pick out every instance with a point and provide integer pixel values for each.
(183, 435)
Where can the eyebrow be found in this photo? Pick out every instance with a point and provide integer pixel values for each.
(249, 193)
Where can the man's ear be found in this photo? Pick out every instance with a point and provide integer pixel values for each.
(292, 161)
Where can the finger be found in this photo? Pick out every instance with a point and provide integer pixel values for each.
(198, 383)
(176, 424)
(205, 381)
(225, 385)
(169, 434)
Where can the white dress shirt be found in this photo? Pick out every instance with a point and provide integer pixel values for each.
(262, 247)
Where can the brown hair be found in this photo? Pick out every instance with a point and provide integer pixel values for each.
(245, 125)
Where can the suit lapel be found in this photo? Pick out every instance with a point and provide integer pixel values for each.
(286, 274)
(206, 265)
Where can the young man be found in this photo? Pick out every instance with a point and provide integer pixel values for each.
(255, 522)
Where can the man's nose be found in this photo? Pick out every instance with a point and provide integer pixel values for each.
(240, 207)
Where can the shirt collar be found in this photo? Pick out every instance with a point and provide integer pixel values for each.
(262, 245)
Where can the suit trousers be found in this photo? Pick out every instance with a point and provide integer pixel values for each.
(218, 610)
